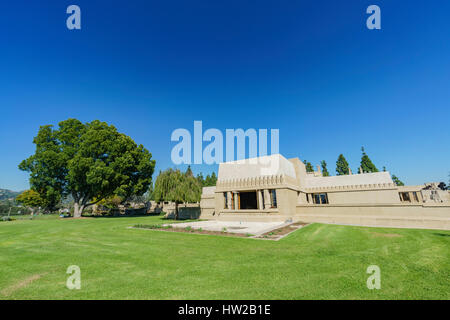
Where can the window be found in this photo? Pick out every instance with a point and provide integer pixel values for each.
(316, 198)
(248, 200)
(320, 198)
(404, 197)
(323, 198)
(273, 198)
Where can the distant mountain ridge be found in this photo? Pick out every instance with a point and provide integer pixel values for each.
(8, 194)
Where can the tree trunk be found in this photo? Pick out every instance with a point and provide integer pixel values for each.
(176, 210)
(77, 210)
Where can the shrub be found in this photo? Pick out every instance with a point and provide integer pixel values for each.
(148, 226)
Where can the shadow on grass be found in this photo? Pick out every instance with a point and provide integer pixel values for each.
(160, 215)
(124, 216)
(442, 234)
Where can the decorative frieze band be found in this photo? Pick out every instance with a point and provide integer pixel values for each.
(261, 181)
(352, 187)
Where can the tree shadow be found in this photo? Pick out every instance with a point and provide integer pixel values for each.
(442, 234)
(124, 216)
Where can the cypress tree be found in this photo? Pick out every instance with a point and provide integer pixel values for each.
(325, 172)
(397, 181)
(189, 172)
(308, 165)
(341, 165)
(366, 163)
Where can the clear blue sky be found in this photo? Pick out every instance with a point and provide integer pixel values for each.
(149, 67)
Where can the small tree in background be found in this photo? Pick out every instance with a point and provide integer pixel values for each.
(341, 165)
(308, 166)
(31, 199)
(111, 202)
(150, 192)
(201, 179)
(189, 172)
(325, 172)
(210, 181)
(397, 181)
(366, 163)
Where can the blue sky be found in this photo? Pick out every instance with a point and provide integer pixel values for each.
(149, 67)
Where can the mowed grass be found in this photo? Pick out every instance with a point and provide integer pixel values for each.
(316, 262)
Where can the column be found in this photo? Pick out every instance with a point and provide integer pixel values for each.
(236, 201)
(228, 199)
(267, 203)
(260, 200)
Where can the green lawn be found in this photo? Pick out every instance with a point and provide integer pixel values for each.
(316, 262)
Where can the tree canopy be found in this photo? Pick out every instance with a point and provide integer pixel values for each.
(32, 199)
(88, 161)
(342, 166)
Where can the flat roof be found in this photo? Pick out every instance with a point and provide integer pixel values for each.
(274, 164)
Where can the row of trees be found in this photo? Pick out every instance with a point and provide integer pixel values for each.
(343, 168)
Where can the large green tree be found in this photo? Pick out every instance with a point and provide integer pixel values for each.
(366, 163)
(342, 166)
(89, 161)
(178, 187)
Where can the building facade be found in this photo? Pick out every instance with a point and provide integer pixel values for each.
(273, 188)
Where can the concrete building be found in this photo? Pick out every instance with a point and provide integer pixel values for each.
(273, 188)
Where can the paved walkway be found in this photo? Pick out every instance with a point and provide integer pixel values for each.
(254, 228)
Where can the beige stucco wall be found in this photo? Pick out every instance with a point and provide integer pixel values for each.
(286, 200)
(366, 196)
(405, 216)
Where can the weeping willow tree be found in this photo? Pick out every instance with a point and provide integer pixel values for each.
(178, 187)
